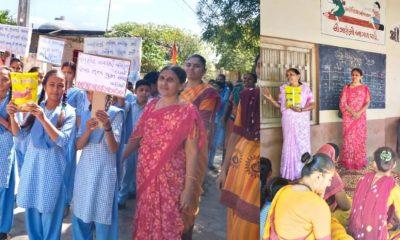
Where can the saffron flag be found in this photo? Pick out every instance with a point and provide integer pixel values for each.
(174, 55)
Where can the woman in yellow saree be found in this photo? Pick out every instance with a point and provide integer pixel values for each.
(299, 211)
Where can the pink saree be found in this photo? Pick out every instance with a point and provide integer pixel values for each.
(354, 152)
(337, 184)
(369, 213)
(296, 134)
(161, 168)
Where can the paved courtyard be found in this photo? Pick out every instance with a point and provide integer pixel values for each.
(210, 224)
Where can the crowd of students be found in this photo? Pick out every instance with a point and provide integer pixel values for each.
(154, 145)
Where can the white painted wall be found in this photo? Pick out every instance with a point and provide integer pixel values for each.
(300, 20)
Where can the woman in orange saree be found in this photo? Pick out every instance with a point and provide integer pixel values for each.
(241, 187)
(169, 135)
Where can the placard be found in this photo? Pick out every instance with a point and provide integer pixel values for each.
(127, 48)
(102, 74)
(15, 39)
(50, 50)
(24, 89)
(362, 20)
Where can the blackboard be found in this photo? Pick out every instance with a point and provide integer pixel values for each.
(335, 64)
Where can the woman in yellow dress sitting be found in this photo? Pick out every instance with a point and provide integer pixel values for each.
(299, 211)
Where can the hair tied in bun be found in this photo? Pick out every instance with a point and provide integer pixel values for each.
(306, 158)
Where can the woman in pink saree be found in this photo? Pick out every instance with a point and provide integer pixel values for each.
(168, 135)
(354, 102)
(375, 198)
(295, 125)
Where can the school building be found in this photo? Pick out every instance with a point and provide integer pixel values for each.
(296, 33)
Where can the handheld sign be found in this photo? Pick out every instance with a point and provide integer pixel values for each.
(50, 50)
(24, 89)
(102, 74)
(127, 48)
(15, 39)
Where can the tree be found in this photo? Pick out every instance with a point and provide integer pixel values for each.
(158, 41)
(233, 26)
(6, 18)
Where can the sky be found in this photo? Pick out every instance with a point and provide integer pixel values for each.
(92, 14)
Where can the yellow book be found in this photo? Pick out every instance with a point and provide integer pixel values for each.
(24, 89)
(293, 96)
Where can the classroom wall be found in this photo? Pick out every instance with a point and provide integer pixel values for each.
(300, 20)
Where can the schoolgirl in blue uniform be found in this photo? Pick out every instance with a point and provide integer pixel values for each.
(95, 189)
(48, 129)
(7, 179)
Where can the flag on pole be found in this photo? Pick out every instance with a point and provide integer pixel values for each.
(174, 55)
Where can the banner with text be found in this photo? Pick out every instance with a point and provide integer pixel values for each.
(15, 39)
(50, 50)
(102, 74)
(127, 48)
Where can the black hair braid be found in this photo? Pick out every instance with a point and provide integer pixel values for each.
(9, 94)
(107, 104)
(60, 119)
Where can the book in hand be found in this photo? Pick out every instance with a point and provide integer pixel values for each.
(293, 96)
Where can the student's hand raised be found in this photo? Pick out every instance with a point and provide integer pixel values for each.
(92, 124)
(11, 109)
(103, 117)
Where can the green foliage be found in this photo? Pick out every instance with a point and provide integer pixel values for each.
(158, 41)
(233, 26)
(6, 18)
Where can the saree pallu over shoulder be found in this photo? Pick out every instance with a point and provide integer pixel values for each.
(250, 115)
(241, 191)
(369, 212)
(169, 127)
(161, 168)
(206, 99)
(354, 152)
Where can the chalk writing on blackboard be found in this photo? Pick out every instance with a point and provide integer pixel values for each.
(335, 66)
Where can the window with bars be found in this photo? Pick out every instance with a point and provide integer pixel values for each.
(278, 55)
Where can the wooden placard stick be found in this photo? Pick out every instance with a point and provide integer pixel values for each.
(98, 103)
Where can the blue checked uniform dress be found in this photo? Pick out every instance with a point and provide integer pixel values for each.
(41, 188)
(43, 169)
(7, 179)
(76, 98)
(96, 179)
